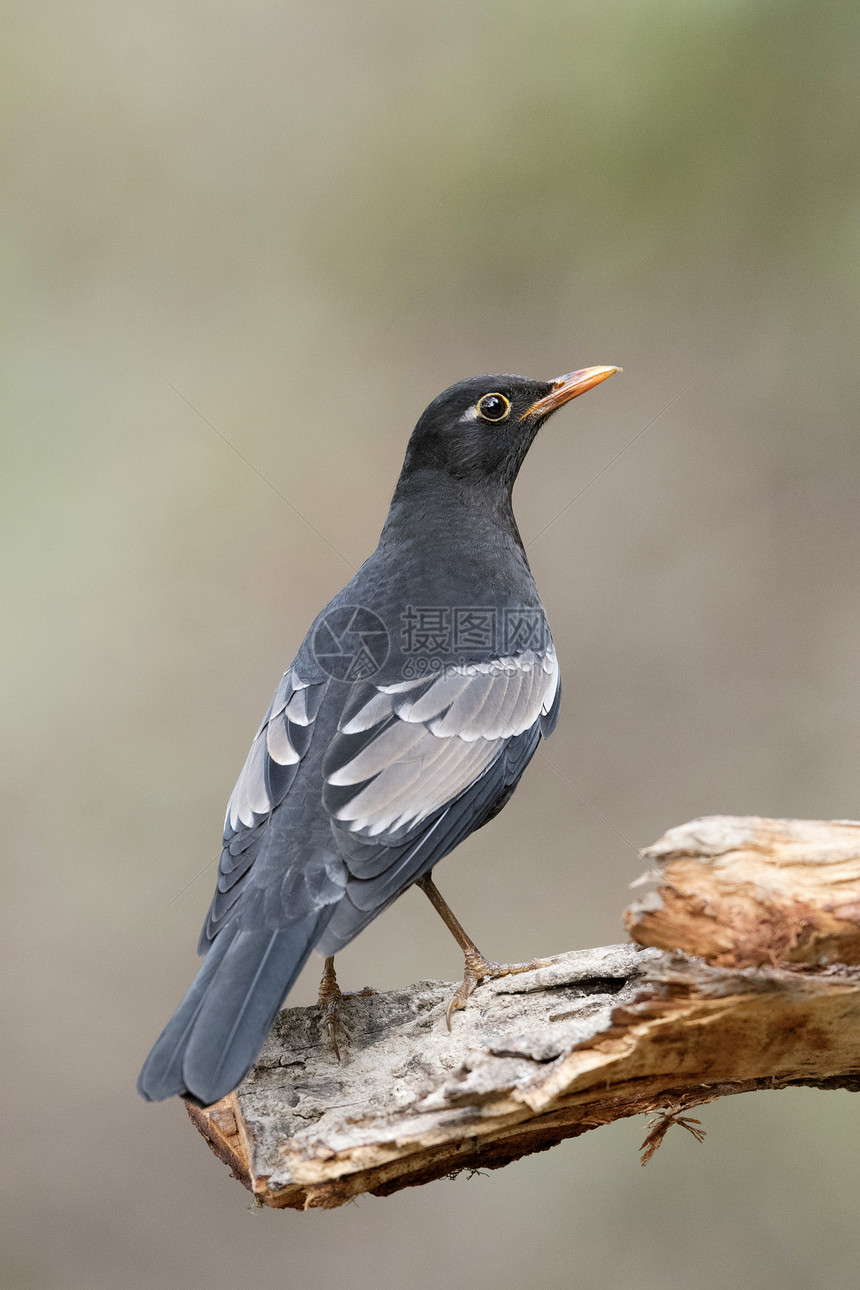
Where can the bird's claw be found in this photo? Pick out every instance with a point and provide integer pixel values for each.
(479, 969)
(460, 995)
(330, 1019)
(329, 999)
(330, 996)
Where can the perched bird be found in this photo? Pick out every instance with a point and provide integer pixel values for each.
(412, 708)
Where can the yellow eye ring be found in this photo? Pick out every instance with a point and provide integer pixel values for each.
(493, 407)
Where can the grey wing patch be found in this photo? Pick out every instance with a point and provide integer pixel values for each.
(280, 743)
(382, 867)
(412, 748)
(278, 747)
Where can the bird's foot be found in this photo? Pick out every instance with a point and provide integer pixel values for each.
(479, 969)
(329, 999)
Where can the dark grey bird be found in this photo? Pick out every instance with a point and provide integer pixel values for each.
(411, 710)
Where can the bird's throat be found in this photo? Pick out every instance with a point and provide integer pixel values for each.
(449, 511)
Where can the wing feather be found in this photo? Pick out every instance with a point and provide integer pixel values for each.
(264, 781)
(282, 739)
(433, 745)
(391, 747)
(440, 695)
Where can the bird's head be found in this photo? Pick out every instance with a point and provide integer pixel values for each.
(482, 428)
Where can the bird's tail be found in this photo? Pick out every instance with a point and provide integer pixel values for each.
(212, 1039)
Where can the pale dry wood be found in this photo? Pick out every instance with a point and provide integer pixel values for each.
(595, 1036)
(744, 891)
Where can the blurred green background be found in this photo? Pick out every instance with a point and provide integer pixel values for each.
(288, 226)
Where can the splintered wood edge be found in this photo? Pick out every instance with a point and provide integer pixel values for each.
(741, 891)
(692, 1036)
(224, 1128)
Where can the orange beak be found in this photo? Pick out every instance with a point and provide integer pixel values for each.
(565, 388)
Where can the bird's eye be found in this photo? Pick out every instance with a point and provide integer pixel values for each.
(493, 407)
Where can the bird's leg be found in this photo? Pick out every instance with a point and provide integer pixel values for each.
(329, 999)
(477, 967)
(330, 995)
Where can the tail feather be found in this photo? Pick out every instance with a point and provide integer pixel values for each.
(210, 1043)
(161, 1075)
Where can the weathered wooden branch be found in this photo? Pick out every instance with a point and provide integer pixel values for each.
(745, 976)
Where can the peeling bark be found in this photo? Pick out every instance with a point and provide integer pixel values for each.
(595, 1036)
